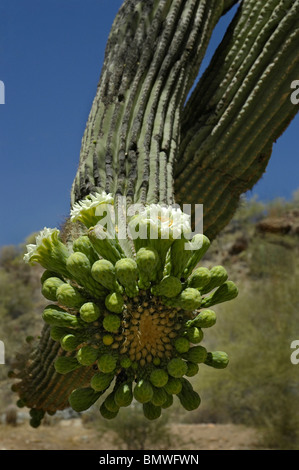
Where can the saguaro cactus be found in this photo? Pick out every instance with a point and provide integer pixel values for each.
(129, 314)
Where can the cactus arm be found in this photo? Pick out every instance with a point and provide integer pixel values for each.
(238, 109)
(41, 387)
(152, 57)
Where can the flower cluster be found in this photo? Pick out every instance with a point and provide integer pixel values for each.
(135, 316)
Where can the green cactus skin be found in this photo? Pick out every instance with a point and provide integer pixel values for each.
(217, 359)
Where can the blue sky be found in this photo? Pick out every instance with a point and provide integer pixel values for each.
(51, 57)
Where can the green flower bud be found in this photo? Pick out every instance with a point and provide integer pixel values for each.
(114, 302)
(200, 245)
(218, 276)
(64, 364)
(50, 287)
(56, 316)
(106, 413)
(173, 386)
(147, 260)
(217, 359)
(105, 245)
(169, 287)
(189, 299)
(225, 292)
(205, 319)
(194, 335)
(107, 363)
(90, 312)
(196, 354)
(127, 273)
(159, 397)
(177, 367)
(125, 362)
(123, 394)
(192, 369)
(83, 398)
(70, 342)
(111, 323)
(69, 296)
(199, 278)
(84, 245)
(101, 381)
(80, 268)
(49, 252)
(181, 345)
(110, 403)
(143, 391)
(103, 271)
(87, 355)
(151, 411)
(159, 377)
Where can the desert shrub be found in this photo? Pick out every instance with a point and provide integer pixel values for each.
(260, 386)
(132, 431)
